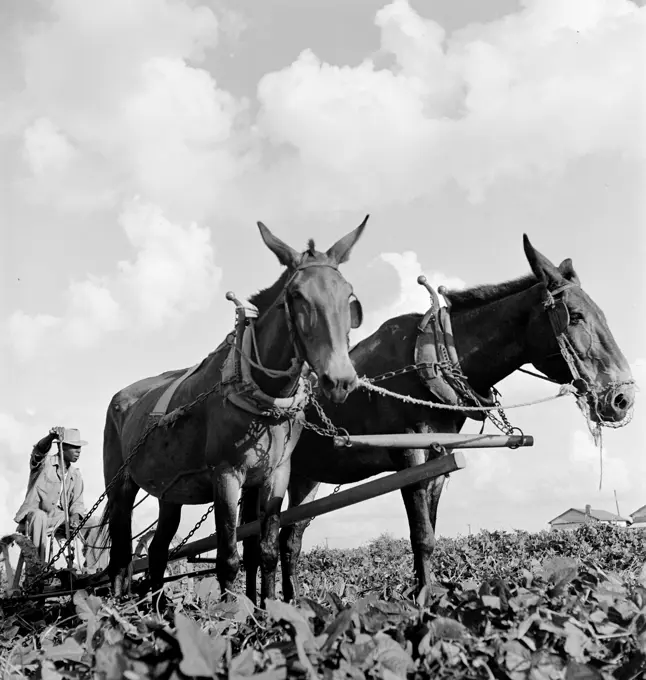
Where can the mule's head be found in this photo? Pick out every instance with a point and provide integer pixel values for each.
(321, 309)
(598, 366)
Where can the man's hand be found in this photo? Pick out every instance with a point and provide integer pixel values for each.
(57, 433)
(75, 520)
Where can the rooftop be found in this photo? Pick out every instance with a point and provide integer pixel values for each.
(600, 515)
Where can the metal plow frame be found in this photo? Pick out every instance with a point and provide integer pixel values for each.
(442, 465)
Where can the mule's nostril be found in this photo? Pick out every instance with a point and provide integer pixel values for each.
(620, 402)
(326, 382)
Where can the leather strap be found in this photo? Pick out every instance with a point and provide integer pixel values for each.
(239, 387)
(435, 345)
(161, 407)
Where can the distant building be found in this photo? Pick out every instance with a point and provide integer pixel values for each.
(639, 518)
(575, 517)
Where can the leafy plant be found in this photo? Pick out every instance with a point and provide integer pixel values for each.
(568, 605)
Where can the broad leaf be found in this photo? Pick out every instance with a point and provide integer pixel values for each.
(70, 650)
(201, 654)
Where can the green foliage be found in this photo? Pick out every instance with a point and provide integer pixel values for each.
(509, 606)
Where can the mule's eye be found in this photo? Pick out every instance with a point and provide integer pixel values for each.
(575, 318)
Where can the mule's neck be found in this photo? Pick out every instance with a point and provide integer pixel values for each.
(275, 352)
(492, 340)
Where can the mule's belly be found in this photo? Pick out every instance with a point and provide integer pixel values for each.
(340, 466)
(180, 467)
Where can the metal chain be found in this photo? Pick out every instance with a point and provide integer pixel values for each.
(191, 533)
(329, 429)
(47, 570)
(336, 489)
(401, 371)
(501, 421)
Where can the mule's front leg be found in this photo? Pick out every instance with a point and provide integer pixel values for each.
(271, 498)
(170, 515)
(226, 489)
(251, 545)
(422, 533)
(301, 490)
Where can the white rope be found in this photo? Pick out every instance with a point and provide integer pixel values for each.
(366, 384)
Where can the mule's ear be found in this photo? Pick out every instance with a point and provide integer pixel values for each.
(340, 251)
(543, 269)
(286, 255)
(567, 271)
(356, 312)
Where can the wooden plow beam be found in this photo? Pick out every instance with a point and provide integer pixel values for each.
(397, 480)
(427, 441)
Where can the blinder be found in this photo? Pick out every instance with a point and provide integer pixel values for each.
(356, 312)
(559, 316)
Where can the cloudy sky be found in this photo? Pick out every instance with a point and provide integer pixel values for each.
(140, 142)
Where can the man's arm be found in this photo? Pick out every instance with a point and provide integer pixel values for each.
(42, 448)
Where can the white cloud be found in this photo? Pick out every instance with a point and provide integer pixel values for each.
(27, 332)
(46, 148)
(527, 93)
(14, 454)
(143, 120)
(12, 433)
(173, 274)
(92, 312)
(176, 127)
(412, 297)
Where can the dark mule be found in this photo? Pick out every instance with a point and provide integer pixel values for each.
(496, 329)
(232, 422)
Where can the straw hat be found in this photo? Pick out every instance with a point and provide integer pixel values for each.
(72, 437)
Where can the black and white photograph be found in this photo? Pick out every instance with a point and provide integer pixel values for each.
(323, 339)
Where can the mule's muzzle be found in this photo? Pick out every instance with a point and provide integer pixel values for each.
(337, 388)
(616, 402)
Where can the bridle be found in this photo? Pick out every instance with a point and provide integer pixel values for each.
(284, 299)
(559, 317)
(582, 381)
(295, 338)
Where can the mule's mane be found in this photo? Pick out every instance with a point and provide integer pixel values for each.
(482, 295)
(266, 297)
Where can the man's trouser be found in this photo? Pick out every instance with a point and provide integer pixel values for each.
(37, 525)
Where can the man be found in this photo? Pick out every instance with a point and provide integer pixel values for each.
(43, 506)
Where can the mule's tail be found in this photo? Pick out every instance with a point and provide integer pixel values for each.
(97, 543)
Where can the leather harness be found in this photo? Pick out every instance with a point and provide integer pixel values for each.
(438, 362)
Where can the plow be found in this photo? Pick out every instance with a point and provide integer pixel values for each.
(449, 459)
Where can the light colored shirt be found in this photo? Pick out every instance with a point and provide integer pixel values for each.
(45, 486)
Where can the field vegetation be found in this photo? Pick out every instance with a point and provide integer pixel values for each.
(505, 605)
